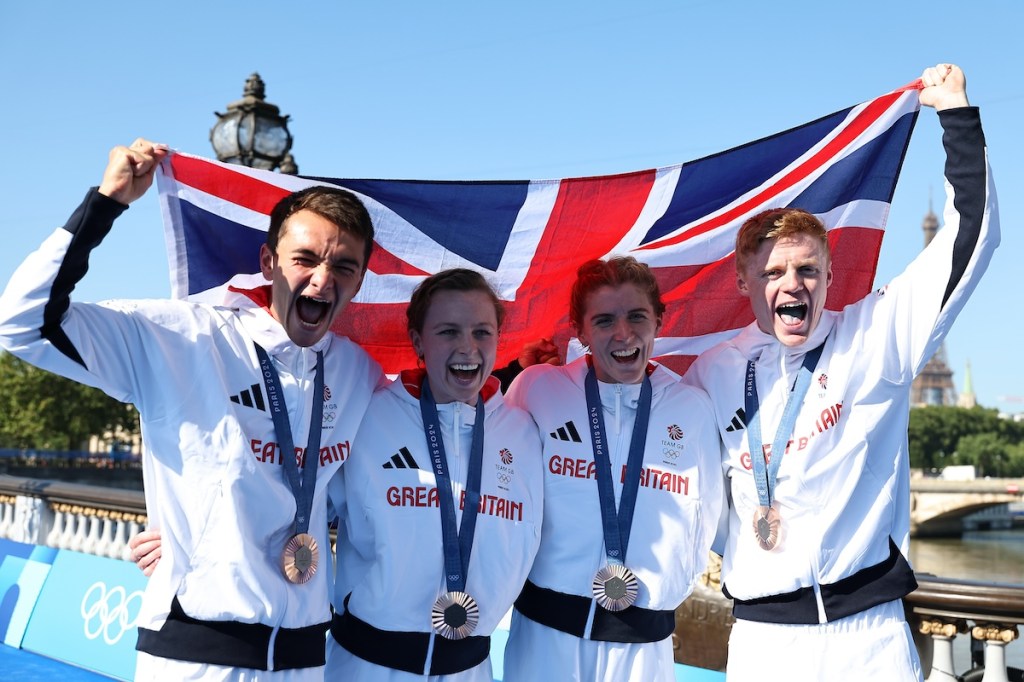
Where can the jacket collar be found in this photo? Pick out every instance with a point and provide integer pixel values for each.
(411, 383)
(253, 306)
(660, 377)
(753, 343)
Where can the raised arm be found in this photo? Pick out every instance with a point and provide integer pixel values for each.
(34, 320)
(917, 309)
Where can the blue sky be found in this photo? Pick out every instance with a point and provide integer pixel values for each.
(479, 90)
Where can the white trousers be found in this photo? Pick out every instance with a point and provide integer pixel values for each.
(873, 645)
(343, 666)
(153, 669)
(537, 653)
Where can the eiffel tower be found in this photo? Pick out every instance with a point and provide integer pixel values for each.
(934, 384)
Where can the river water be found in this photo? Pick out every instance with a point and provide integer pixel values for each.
(987, 556)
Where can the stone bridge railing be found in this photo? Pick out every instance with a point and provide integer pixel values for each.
(84, 518)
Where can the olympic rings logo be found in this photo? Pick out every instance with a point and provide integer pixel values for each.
(109, 612)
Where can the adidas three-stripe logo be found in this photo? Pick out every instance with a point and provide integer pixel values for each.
(251, 397)
(401, 460)
(739, 421)
(567, 433)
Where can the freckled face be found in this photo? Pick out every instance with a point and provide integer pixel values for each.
(787, 282)
(458, 344)
(619, 326)
(317, 269)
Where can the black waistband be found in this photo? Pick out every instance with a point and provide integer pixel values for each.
(569, 613)
(407, 650)
(884, 582)
(234, 644)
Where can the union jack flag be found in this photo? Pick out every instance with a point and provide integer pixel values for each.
(529, 236)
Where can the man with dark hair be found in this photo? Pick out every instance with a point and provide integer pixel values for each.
(812, 407)
(247, 411)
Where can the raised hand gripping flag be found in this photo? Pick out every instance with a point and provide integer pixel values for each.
(527, 237)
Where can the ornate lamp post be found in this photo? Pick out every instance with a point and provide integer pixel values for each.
(253, 132)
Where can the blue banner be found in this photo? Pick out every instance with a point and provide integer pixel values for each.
(23, 570)
(87, 613)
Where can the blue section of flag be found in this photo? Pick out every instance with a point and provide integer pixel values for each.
(869, 173)
(218, 247)
(709, 184)
(471, 219)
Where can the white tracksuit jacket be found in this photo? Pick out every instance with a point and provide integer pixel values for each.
(390, 552)
(213, 474)
(843, 485)
(677, 510)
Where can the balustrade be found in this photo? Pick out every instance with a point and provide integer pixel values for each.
(82, 518)
(942, 608)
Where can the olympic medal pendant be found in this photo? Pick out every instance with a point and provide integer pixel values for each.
(300, 558)
(767, 527)
(454, 615)
(615, 587)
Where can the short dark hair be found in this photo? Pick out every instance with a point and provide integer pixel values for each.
(613, 272)
(455, 279)
(337, 205)
(774, 224)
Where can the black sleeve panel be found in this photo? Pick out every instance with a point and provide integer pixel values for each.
(966, 171)
(89, 224)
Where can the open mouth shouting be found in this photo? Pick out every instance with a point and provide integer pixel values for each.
(312, 311)
(310, 318)
(792, 314)
(627, 356)
(465, 374)
(620, 366)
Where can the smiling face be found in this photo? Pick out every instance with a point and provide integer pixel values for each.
(315, 271)
(786, 280)
(458, 342)
(619, 325)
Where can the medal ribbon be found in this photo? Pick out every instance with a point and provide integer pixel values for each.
(765, 475)
(457, 544)
(303, 489)
(617, 525)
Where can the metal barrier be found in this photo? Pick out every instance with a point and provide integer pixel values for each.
(941, 609)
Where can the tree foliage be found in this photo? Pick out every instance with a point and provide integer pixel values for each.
(43, 411)
(940, 436)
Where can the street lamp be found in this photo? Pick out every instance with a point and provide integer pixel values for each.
(253, 132)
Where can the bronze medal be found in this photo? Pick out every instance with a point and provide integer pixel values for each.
(300, 557)
(767, 527)
(454, 615)
(615, 587)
